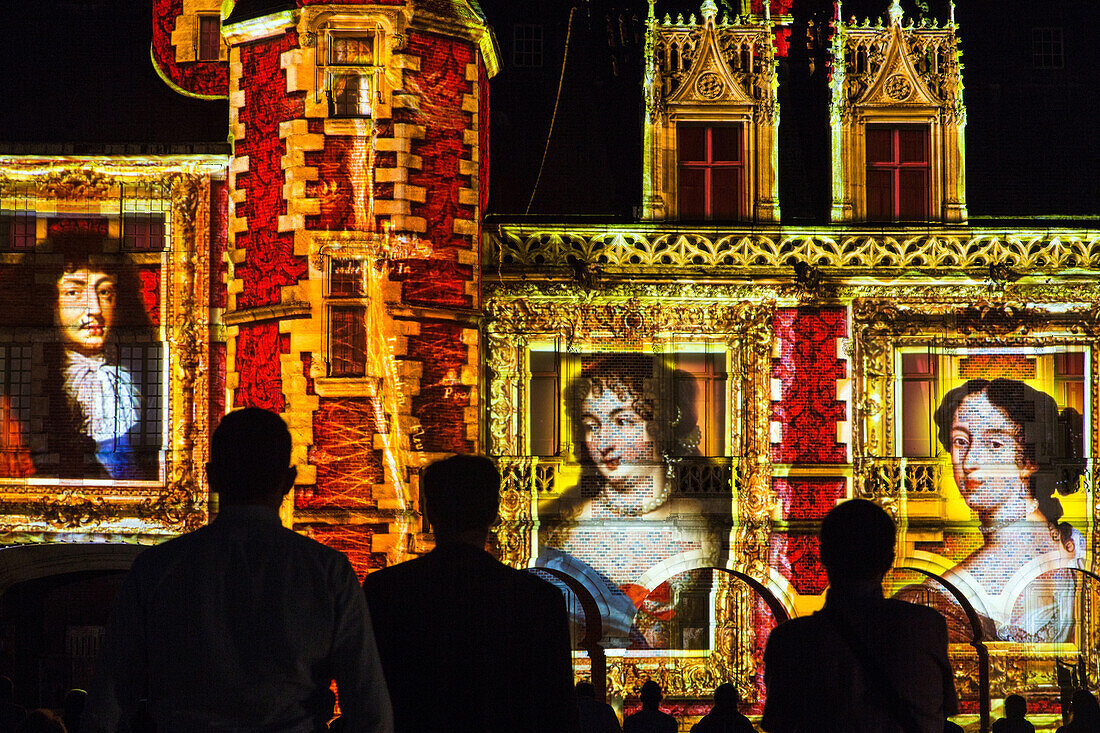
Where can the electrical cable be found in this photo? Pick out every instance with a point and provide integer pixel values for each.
(554, 115)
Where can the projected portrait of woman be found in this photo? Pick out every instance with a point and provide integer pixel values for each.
(1012, 454)
(618, 520)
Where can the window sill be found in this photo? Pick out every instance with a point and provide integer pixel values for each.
(346, 386)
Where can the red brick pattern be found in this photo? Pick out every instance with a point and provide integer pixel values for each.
(440, 406)
(808, 369)
(347, 468)
(797, 558)
(198, 77)
(352, 540)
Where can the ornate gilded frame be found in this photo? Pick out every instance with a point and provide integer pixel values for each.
(178, 501)
(578, 318)
(1025, 314)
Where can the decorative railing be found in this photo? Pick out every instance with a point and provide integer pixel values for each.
(637, 246)
(691, 476)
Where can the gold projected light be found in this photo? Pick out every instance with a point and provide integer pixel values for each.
(105, 349)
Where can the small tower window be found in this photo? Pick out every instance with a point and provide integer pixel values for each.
(350, 75)
(898, 173)
(347, 315)
(210, 37)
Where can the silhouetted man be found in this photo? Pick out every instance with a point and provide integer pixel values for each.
(1015, 719)
(724, 717)
(242, 624)
(595, 716)
(863, 663)
(469, 644)
(650, 719)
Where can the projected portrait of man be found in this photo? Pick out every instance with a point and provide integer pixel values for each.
(97, 373)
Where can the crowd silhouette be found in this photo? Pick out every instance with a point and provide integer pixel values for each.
(245, 625)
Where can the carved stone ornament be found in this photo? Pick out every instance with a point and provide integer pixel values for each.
(635, 247)
(70, 183)
(177, 502)
(898, 88)
(710, 86)
(581, 321)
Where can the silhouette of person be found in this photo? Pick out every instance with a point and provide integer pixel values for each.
(724, 716)
(595, 716)
(73, 709)
(467, 643)
(863, 662)
(11, 715)
(1086, 714)
(650, 719)
(41, 721)
(242, 624)
(1014, 720)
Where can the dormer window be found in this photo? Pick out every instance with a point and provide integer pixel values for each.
(349, 74)
(710, 170)
(898, 175)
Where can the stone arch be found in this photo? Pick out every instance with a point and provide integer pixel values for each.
(20, 563)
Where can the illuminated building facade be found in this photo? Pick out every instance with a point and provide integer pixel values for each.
(675, 398)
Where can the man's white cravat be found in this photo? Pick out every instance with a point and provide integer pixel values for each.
(105, 393)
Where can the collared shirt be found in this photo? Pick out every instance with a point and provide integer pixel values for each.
(241, 625)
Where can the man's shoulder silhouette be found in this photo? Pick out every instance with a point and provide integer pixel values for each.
(468, 643)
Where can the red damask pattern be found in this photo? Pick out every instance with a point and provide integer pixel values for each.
(258, 368)
(808, 369)
(270, 263)
(347, 469)
(216, 383)
(762, 624)
(219, 242)
(93, 225)
(149, 284)
(198, 77)
(342, 180)
(352, 540)
(807, 498)
(441, 403)
(798, 559)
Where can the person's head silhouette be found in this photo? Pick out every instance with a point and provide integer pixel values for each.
(857, 543)
(1015, 707)
(461, 497)
(250, 459)
(651, 695)
(586, 690)
(726, 698)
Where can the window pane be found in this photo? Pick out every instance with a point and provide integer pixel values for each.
(692, 143)
(913, 203)
(350, 95)
(1069, 364)
(725, 193)
(352, 50)
(880, 145)
(916, 364)
(143, 232)
(348, 335)
(917, 420)
(880, 195)
(544, 361)
(210, 37)
(725, 143)
(692, 193)
(913, 146)
(544, 416)
(348, 278)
